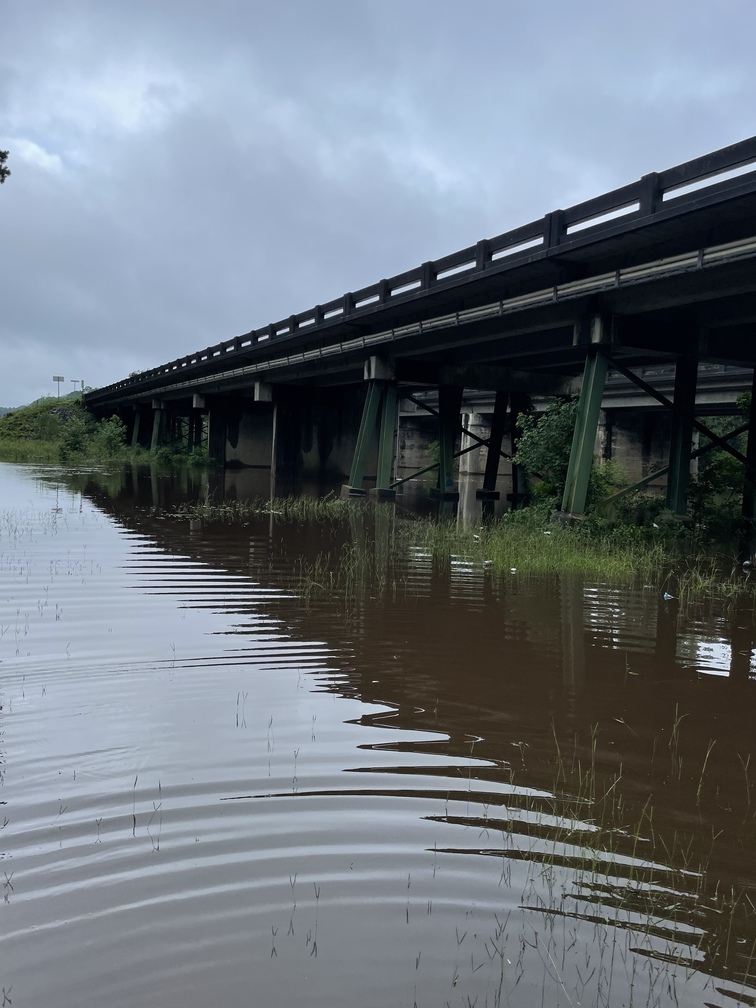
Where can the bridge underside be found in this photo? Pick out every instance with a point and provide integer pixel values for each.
(651, 273)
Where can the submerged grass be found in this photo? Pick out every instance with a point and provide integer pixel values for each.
(643, 860)
(672, 559)
(679, 563)
(290, 508)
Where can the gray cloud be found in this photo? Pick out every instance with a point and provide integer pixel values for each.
(183, 172)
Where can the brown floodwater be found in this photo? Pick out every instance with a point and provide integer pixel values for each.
(229, 777)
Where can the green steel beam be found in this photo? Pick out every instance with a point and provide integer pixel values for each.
(680, 446)
(365, 434)
(581, 455)
(700, 427)
(483, 442)
(495, 438)
(520, 403)
(135, 429)
(386, 437)
(431, 467)
(449, 403)
(749, 475)
(663, 470)
(158, 426)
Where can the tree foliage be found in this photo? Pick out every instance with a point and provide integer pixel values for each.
(5, 172)
(543, 450)
(64, 430)
(68, 424)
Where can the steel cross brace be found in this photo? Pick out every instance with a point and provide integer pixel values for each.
(485, 442)
(718, 441)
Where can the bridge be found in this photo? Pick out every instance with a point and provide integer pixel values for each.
(659, 272)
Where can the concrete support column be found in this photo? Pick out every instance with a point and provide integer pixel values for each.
(681, 439)
(473, 462)
(604, 436)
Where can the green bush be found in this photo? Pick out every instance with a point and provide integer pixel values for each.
(109, 438)
(75, 439)
(543, 450)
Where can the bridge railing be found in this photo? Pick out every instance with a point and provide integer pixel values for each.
(710, 177)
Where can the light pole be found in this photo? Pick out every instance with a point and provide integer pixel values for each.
(58, 379)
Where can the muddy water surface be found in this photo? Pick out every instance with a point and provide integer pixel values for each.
(227, 780)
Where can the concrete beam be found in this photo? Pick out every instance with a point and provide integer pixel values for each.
(732, 345)
(667, 337)
(380, 369)
(488, 377)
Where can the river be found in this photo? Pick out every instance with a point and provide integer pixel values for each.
(228, 780)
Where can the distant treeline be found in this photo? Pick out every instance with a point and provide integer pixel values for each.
(63, 430)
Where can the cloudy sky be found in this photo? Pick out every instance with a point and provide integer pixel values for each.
(184, 171)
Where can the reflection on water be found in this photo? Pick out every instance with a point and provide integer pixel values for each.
(225, 783)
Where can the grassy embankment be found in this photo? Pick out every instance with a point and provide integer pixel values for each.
(62, 430)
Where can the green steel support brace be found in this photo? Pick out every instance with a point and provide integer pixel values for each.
(195, 429)
(519, 403)
(449, 403)
(158, 426)
(498, 421)
(386, 437)
(365, 436)
(581, 455)
(681, 440)
(749, 476)
(135, 429)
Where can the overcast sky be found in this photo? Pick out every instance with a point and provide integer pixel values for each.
(184, 171)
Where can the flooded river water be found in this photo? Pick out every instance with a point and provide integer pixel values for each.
(229, 781)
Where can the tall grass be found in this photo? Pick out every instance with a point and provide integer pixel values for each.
(679, 563)
(23, 450)
(301, 509)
